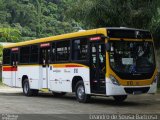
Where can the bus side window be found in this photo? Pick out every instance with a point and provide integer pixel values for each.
(80, 47)
(63, 51)
(34, 54)
(6, 56)
(24, 54)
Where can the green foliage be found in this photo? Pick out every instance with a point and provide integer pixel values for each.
(1, 54)
(42, 18)
(128, 13)
(35, 18)
(144, 14)
(9, 35)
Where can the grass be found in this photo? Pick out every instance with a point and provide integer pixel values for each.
(1, 81)
(1, 84)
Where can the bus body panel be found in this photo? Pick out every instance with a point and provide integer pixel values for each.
(32, 72)
(153, 88)
(61, 78)
(7, 78)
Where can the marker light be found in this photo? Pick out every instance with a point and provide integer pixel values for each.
(114, 80)
(95, 38)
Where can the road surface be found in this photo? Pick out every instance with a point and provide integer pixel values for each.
(12, 101)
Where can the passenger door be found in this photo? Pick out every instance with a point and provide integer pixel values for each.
(14, 63)
(97, 67)
(45, 61)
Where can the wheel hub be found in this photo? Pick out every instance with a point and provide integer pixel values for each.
(80, 92)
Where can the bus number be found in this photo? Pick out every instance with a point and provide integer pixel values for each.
(75, 70)
(129, 83)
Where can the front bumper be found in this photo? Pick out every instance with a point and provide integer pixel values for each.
(112, 89)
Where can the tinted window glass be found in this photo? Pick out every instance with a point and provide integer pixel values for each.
(116, 33)
(63, 51)
(34, 54)
(80, 47)
(24, 54)
(6, 56)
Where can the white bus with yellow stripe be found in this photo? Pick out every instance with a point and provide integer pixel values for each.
(106, 61)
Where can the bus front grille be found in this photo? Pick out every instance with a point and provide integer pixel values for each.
(137, 90)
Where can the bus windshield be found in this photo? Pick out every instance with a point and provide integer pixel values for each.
(132, 57)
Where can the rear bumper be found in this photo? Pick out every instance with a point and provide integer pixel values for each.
(112, 89)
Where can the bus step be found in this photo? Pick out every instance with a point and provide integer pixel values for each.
(44, 90)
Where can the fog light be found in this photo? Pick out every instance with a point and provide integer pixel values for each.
(114, 80)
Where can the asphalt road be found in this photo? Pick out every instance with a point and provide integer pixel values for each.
(12, 101)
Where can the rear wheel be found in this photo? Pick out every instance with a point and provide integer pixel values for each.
(26, 89)
(120, 98)
(80, 93)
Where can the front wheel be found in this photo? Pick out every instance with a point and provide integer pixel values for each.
(80, 93)
(26, 89)
(120, 98)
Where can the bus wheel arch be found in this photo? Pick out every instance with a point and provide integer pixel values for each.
(24, 77)
(75, 80)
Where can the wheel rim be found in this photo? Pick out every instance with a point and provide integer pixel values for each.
(80, 92)
(26, 88)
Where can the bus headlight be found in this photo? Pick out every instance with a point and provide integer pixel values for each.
(114, 80)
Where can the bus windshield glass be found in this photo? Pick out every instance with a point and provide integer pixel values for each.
(132, 57)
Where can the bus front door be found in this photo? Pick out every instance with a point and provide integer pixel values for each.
(44, 61)
(98, 67)
(14, 63)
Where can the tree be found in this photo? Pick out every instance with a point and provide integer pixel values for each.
(143, 14)
(9, 35)
(101, 13)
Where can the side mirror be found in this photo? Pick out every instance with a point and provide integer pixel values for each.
(108, 47)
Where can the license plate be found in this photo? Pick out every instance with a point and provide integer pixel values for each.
(131, 83)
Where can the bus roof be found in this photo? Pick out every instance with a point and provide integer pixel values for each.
(59, 37)
(125, 28)
(71, 35)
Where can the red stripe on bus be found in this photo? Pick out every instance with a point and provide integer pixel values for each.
(9, 69)
(73, 66)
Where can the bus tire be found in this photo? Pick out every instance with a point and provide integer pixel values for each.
(120, 98)
(81, 96)
(56, 94)
(26, 89)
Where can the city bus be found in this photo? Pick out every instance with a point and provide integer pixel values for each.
(112, 61)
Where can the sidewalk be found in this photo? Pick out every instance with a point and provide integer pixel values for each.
(6, 89)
